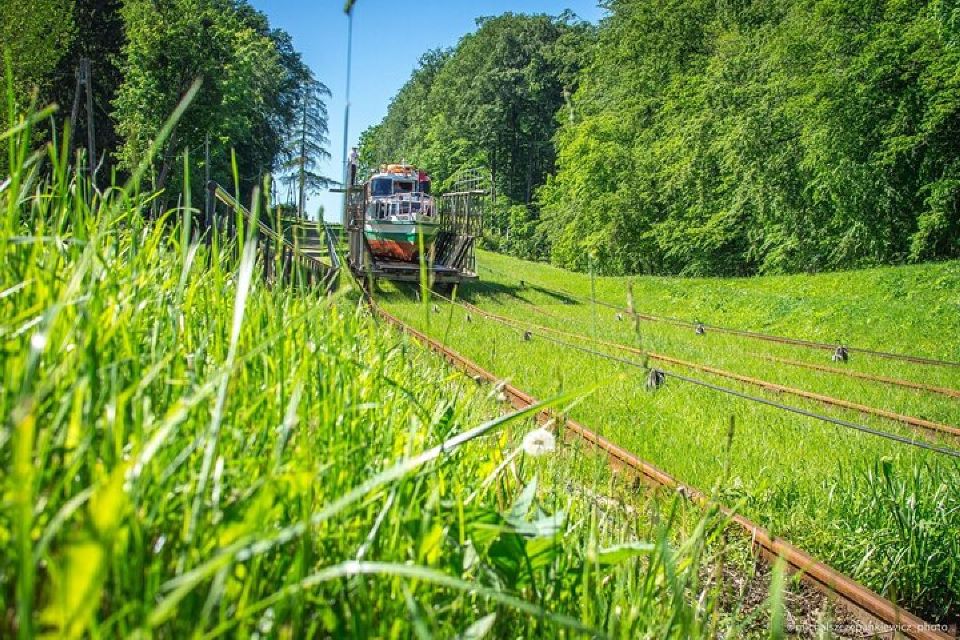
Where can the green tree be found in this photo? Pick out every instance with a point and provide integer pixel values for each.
(34, 35)
(492, 101)
(754, 136)
(99, 36)
(306, 143)
(240, 106)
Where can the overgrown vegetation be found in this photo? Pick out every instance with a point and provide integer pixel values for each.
(187, 450)
(732, 138)
(710, 138)
(880, 511)
(145, 57)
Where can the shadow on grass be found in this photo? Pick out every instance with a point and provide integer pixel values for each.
(474, 292)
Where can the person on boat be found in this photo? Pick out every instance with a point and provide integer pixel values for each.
(354, 161)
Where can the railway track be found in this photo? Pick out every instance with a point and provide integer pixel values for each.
(869, 607)
(912, 421)
(757, 335)
(898, 382)
(848, 373)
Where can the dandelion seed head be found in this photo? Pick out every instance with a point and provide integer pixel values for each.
(38, 341)
(539, 441)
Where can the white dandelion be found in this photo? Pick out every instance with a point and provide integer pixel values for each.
(539, 441)
(498, 391)
(38, 341)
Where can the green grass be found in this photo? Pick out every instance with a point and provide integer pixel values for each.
(885, 513)
(189, 452)
(911, 309)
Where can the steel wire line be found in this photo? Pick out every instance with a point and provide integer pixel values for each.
(721, 389)
(850, 373)
(744, 332)
(919, 423)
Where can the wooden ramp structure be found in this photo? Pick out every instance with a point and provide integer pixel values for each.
(295, 250)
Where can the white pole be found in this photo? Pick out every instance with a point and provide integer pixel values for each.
(346, 113)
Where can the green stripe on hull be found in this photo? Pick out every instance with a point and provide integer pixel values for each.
(403, 223)
(402, 236)
(398, 237)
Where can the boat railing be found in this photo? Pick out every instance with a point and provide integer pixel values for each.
(407, 205)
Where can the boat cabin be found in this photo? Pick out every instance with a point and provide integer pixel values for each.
(398, 180)
(399, 191)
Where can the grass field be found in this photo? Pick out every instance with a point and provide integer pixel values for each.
(886, 513)
(187, 451)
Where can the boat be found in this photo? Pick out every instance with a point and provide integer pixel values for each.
(400, 219)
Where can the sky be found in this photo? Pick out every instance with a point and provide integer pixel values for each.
(388, 40)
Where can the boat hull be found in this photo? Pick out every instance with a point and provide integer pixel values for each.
(400, 240)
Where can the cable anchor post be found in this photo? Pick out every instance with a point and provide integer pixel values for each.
(655, 379)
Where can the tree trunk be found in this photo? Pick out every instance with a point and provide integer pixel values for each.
(302, 204)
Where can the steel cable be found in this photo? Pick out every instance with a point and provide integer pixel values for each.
(910, 420)
(726, 390)
(746, 333)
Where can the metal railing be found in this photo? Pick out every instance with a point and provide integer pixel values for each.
(412, 204)
(331, 246)
(283, 260)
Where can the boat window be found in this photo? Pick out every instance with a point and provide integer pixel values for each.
(381, 187)
(404, 187)
(424, 186)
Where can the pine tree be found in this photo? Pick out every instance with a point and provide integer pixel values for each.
(306, 143)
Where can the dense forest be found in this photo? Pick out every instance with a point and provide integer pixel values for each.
(490, 102)
(703, 137)
(254, 98)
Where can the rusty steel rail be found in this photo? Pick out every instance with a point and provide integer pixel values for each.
(862, 602)
(913, 421)
(899, 382)
(909, 384)
(757, 335)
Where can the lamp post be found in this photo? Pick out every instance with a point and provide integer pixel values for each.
(348, 9)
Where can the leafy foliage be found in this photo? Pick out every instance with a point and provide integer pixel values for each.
(753, 136)
(145, 56)
(99, 36)
(490, 102)
(306, 142)
(229, 47)
(701, 137)
(35, 34)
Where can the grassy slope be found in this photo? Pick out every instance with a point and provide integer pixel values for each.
(175, 425)
(845, 496)
(913, 309)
